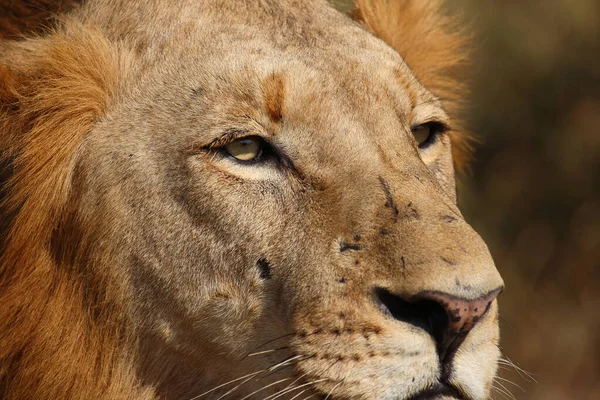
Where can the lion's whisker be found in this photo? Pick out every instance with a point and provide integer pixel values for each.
(299, 394)
(524, 374)
(511, 382)
(227, 383)
(335, 387)
(295, 380)
(287, 360)
(270, 341)
(501, 392)
(505, 389)
(281, 393)
(265, 387)
(289, 364)
(312, 395)
(235, 388)
(258, 353)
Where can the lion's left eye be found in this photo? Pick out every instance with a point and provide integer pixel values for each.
(246, 149)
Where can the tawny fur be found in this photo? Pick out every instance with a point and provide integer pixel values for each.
(436, 47)
(66, 325)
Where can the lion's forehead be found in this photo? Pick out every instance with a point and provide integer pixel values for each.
(322, 93)
(323, 53)
(339, 68)
(215, 24)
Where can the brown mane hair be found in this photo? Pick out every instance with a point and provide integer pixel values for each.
(20, 18)
(62, 332)
(60, 328)
(434, 45)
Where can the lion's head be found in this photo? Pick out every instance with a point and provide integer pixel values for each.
(239, 199)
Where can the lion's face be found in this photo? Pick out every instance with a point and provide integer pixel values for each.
(278, 225)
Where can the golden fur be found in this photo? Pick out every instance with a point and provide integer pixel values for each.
(138, 263)
(68, 82)
(434, 45)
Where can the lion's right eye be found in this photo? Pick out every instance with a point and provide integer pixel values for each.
(426, 134)
(246, 149)
(422, 134)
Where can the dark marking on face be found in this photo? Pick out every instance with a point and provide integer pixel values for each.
(274, 95)
(462, 286)
(345, 246)
(448, 261)
(342, 280)
(196, 92)
(448, 218)
(411, 212)
(388, 196)
(264, 268)
(403, 261)
(384, 232)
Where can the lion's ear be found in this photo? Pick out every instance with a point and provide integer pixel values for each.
(433, 45)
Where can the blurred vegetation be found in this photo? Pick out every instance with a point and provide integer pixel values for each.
(535, 191)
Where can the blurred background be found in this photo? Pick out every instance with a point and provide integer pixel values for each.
(534, 194)
(535, 190)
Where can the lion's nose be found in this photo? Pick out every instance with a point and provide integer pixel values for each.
(447, 318)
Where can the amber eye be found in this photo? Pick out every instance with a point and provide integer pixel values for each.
(246, 149)
(422, 134)
(425, 134)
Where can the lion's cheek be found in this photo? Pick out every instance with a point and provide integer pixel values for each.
(222, 324)
(228, 320)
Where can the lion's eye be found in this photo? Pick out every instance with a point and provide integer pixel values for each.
(422, 134)
(425, 134)
(246, 149)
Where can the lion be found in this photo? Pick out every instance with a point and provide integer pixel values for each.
(247, 199)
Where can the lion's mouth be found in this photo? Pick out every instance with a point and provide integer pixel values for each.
(441, 389)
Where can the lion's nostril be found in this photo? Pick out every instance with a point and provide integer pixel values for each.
(448, 319)
(425, 314)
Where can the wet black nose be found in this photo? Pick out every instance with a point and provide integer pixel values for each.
(448, 319)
